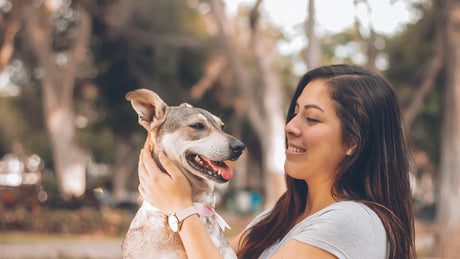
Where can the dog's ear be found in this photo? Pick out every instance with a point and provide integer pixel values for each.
(149, 107)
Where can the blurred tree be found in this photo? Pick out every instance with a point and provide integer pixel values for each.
(414, 81)
(154, 44)
(270, 113)
(449, 213)
(58, 36)
(432, 118)
(10, 21)
(261, 92)
(312, 53)
(369, 39)
(416, 71)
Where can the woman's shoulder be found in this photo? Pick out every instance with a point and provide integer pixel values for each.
(351, 209)
(347, 229)
(348, 214)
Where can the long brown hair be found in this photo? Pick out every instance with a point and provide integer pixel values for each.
(377, 173)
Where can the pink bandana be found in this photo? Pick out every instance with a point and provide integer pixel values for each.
(206, 211)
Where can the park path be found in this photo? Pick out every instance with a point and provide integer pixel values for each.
(64, 249)
(84, 247)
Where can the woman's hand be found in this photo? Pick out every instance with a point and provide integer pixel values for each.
(169, 192)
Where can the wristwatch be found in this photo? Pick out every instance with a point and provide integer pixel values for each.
(175, 220)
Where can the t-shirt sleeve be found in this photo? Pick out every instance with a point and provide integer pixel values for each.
(351, 231)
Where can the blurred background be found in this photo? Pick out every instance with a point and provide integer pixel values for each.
(69, 141)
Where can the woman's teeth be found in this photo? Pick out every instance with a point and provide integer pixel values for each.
(294, 149)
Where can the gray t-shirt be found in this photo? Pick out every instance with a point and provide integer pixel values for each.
(346, 229)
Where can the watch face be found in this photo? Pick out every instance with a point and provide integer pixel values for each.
(173, 223)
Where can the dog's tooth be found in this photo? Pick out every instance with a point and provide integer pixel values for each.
(198, 160)
(218, 172)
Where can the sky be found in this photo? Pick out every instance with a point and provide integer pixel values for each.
(332, 16)
(387, 16)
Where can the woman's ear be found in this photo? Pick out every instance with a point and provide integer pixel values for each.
(351, 149)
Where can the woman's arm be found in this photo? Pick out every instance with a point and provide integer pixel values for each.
(171, 193)
(196, 239)
(235, 242)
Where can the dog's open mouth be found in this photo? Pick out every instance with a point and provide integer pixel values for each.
(217, 170)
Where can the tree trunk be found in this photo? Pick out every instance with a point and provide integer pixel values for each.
(312, 55)
(264, 111)
(448, 240)
(57, 94)
(272, 137)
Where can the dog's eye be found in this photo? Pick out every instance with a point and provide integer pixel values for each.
(198, 126)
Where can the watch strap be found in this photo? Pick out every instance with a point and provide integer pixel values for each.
(198, 208)
(185, 213)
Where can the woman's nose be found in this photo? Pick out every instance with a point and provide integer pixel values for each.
(292, 127)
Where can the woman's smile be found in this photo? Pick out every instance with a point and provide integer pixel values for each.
(295, 150)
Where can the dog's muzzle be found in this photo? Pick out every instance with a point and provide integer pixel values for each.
(216, 171)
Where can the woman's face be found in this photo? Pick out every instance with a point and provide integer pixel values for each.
(314, 135)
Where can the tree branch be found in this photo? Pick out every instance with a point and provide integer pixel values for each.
(7, 48)
(213, 71)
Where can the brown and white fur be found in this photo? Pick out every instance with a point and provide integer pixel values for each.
(193, 138)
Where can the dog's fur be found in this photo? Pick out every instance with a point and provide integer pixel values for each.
(183, 133)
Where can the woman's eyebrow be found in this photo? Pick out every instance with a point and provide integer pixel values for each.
(309, 106)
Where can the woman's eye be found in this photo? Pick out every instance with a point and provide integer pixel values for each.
(309, 119)
(198, 126)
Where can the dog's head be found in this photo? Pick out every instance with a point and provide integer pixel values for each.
(193, 138)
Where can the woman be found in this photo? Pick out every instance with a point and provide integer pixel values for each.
(348, 193)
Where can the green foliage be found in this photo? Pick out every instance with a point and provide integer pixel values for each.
(411, 48)
(22, 122)
(154, 44)
(408, 52)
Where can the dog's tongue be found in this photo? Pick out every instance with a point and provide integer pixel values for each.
(225, 171)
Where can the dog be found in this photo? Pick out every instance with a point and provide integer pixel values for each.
(194, 140)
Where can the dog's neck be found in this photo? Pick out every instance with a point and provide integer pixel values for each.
(205, 198)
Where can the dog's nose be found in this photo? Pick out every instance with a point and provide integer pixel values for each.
(237, 148)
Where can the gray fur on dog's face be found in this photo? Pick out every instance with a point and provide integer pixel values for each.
(193, 138)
